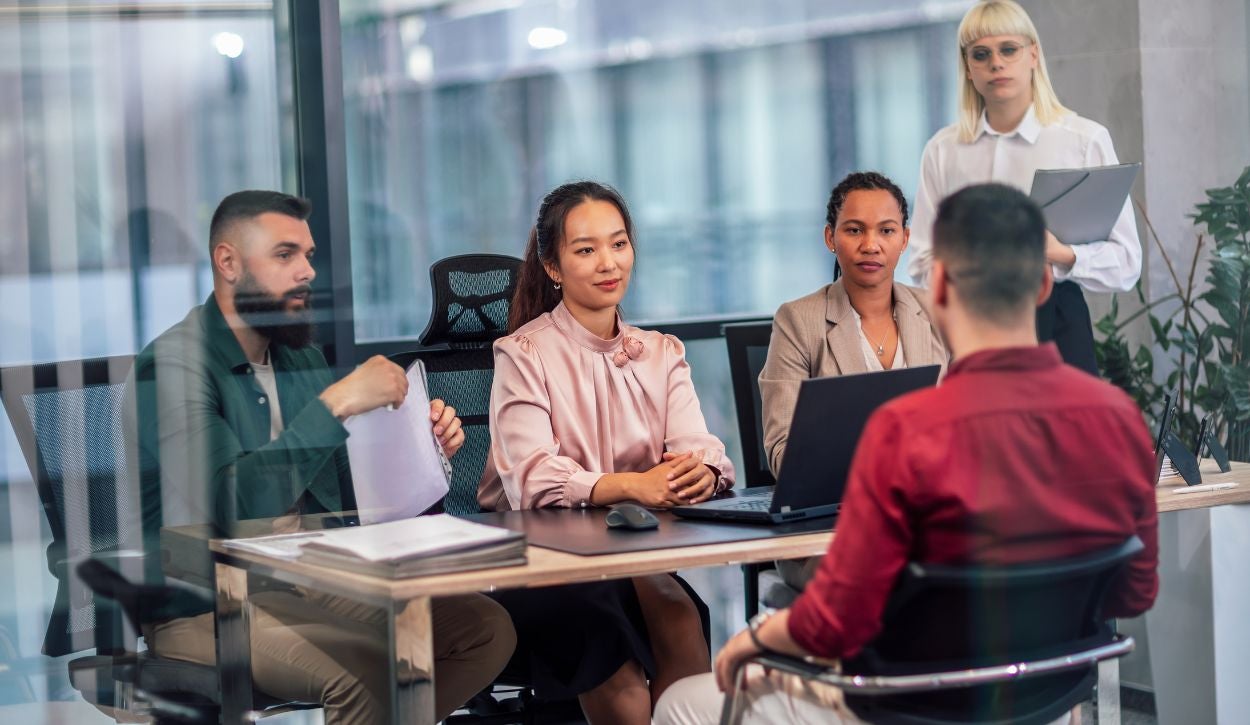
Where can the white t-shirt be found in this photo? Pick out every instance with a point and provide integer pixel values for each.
(269, 384)
(1011, 158)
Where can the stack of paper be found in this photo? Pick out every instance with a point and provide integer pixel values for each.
(408, 547)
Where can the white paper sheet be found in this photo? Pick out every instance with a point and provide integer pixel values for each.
(400, 540)
(398, 468)
(283, 546)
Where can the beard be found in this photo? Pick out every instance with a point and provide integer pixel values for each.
(269, 316)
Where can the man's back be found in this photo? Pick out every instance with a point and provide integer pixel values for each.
(1015, 457)
(1014, 447)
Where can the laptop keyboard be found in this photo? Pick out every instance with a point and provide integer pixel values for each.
(761, 503)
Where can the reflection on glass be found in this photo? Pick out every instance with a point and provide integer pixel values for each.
(121, 126)
(129, 128)
(724, 127)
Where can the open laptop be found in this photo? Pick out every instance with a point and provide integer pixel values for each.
(828, 418)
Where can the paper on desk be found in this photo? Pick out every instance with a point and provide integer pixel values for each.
(398, 468)
(283, 546)
(411, 538)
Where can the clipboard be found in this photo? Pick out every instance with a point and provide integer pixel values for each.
(398, 467)
(1082, 205)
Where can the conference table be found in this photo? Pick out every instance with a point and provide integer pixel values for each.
(406, 602)
(1204, 585)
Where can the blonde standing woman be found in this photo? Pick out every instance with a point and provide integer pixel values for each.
(1011, 124)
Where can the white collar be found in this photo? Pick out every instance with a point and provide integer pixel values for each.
(1029, 127)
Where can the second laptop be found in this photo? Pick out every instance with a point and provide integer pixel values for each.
(828, 418)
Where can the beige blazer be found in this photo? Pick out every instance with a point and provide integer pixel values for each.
(816, 336)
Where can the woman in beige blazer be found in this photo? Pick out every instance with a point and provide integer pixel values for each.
(861, 323)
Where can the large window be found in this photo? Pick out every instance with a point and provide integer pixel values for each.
(121, 127)
(127, 128)
(725, 125)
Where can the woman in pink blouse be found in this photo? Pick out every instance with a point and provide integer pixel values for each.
(589, 411)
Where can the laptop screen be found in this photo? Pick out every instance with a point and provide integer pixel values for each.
(828, 419)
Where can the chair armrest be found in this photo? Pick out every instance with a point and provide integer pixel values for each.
(106, 574)
(808, 668)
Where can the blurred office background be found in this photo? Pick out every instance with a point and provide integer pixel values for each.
(427, 128)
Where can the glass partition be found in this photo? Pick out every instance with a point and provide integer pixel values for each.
(724, 124)
(121, 127)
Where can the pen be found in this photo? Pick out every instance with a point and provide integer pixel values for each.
(1205, 487)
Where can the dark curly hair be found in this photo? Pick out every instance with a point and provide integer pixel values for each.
(862, 181)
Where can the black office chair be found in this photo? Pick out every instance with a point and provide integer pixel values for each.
(462, 377)
(472, 296)
(1012, 645)
(747, 344)
(68, 419)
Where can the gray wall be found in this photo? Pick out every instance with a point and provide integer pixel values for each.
(1171, 82)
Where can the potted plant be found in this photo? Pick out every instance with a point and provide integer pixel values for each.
(1205, 337)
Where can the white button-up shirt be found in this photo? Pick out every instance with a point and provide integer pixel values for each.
(1011, 158)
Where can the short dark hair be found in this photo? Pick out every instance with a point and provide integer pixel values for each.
(992, 239)
(862, 181)
(243, 205)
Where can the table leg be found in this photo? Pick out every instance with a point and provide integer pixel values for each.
(1109, 692)
(412, 662)
(1198, 630)
(234, 644)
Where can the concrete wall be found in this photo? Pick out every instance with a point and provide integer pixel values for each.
(1171, 82)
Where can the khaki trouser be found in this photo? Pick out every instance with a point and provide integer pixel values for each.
(316, 647)
(774, 697)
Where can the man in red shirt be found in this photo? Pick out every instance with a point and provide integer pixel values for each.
(1015, 457)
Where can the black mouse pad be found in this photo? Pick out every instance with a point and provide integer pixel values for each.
(583, 531)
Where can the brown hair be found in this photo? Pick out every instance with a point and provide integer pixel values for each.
(535, 292)
(992, 239)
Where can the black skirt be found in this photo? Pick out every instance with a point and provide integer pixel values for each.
(1064, 318)
(572, 638)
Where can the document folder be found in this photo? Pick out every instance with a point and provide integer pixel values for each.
(1082, 205)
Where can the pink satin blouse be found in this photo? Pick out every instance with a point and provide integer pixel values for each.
(568, 407)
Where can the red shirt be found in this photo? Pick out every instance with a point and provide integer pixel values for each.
(1015, 457)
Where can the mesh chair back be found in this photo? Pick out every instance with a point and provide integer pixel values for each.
(68, 421)
(747, 343)
(462, 378)
(943, 618)
(472, 295)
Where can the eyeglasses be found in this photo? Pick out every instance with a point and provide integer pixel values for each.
(981, 56)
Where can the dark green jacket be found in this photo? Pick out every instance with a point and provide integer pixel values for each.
(202, 427)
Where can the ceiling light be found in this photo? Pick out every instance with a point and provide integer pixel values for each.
(545, 38)
(228, 44)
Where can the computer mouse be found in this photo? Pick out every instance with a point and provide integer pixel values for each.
(631, 517)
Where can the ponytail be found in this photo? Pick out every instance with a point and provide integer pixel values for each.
(535, 292)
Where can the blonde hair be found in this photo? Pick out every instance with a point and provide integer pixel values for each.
(1001, 17)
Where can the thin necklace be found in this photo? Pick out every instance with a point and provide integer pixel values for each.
(886, 338)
